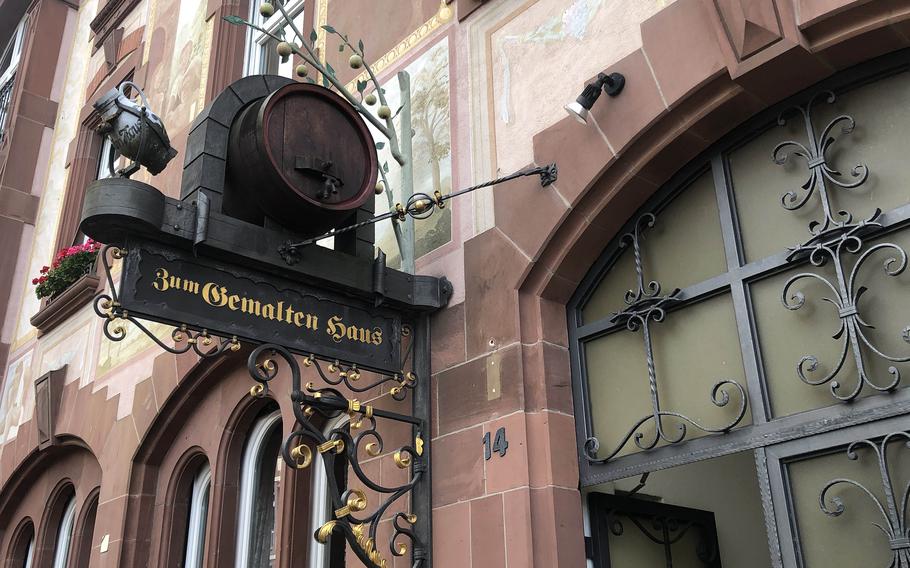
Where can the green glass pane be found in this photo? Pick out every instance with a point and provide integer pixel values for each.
(882, 114)
(849, 540)
(634, 548)
(694, 348)
(787, 336)
(684, 247)
(726, 486)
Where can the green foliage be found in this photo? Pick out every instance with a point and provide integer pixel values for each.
(236, 20)
(380, 145)
(69, 265)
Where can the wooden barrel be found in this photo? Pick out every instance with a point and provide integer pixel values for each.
(303, 157)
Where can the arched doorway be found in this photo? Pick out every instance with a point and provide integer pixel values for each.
(737, 350)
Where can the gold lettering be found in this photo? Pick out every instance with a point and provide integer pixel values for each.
(249, 306)
(160, 283)
(219, 296)
(214, 295)
(336, 329)
(190, 286)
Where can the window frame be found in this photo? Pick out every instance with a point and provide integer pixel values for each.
(253, 55)
(22, 552)
(321, 507)
(781, 455)
(14, 48)
(249, 481)
(64, 535)
(84, 530)
(197, 525)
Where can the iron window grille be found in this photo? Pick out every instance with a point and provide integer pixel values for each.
(837, 247)
(602, 466)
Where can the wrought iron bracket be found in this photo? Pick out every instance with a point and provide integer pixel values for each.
(350, 516)
(107, 306)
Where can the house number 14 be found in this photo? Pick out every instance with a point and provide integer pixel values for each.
(500, 444)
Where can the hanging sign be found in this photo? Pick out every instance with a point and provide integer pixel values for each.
(171, 286)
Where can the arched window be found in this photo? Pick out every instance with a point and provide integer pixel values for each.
(259, 479)
(333, 553)
(65, 534)
(196, 524)
(86, 528)
(22, 552)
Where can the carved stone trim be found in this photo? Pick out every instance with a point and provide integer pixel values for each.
(54, 312)
(48, 391)
(750, 26)
(109, 17)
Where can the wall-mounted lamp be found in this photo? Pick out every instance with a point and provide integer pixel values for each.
(611, 84)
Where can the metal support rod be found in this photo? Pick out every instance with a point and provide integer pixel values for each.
(408, 244)
(421, 496)
(547, 176)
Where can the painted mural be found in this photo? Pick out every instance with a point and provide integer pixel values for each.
(112, 354)
(176, 80)
(54, 184)
(178, 57)
(564, 34)
(432, 147)
(18, 398)
(71, 345)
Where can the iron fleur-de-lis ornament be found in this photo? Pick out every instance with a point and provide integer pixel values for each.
(134, 130)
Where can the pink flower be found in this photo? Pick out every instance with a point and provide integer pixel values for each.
(34, 281)
(44, 269)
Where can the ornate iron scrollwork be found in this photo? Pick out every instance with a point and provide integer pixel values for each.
(832, 239)
(311, 400)
(662, 524)
(893, 511)
(107, 307)
(643, 306)
(325, 401)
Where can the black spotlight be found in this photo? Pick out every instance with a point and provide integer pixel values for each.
(611, 84)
